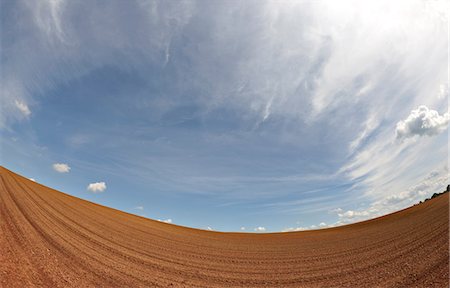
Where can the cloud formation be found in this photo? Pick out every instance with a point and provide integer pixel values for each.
(334, 91)
(260, 229)
(435, 181)
(293, 229)
(61, 167)
(422, 121)
(23, 108)
(97, 187)
(321, 225)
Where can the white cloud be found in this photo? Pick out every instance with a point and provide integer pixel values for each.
(48, 18)
(312, 227)
(293, 229)
(209, 228)
(435, 181)
(23, 107)
(422, 121)
(443, 91)
(97, 187)
(47, 34)
(141, 208)
(260, 229)
(242, 228)
(61, 167)
(319, 50)
(312, 73)
(165, 221)
(32, 179)
(324, 225)
(350, 216)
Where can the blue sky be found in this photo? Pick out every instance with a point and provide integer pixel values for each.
(237, 116)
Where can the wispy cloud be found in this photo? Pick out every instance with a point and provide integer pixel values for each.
(48, 34)
(291, 98)
(435, 181)
(23, 108)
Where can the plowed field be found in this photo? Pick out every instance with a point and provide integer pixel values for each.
(51, 239)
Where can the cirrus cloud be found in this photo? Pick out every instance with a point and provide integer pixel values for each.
(97, 187)
(314, 98)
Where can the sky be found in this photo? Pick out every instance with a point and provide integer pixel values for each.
(251, 116)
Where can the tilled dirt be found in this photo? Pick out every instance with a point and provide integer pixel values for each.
(50, 239)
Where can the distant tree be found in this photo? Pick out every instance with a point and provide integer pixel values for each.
(437, 194)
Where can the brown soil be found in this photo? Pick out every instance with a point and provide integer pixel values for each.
(50, 239)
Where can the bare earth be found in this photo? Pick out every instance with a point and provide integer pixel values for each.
(50, 239)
